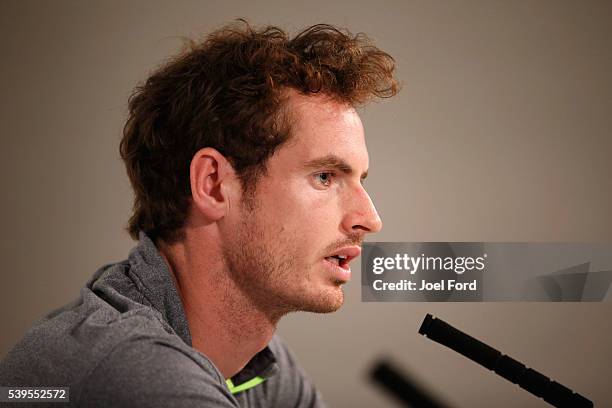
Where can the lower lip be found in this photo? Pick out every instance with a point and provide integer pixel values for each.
(339, 273)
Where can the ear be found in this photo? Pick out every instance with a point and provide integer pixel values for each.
(213, 183)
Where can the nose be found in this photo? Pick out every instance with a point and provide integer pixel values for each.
(362, 216)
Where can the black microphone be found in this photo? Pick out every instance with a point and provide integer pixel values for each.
(403, 387)
(512, 370)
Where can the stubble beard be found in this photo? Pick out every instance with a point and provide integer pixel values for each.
(263, 265)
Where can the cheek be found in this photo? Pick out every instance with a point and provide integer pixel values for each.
(298, 208)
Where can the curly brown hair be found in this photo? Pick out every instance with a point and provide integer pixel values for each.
(227, 93)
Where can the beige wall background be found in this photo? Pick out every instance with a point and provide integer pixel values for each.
(501, 133)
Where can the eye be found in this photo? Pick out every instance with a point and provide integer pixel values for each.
(324, 178)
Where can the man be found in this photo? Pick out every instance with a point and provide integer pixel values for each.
(247, 158)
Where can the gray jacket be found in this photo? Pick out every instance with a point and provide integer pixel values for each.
(125, 342)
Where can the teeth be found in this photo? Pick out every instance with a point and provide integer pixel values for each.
(336, 259)
(333, 259)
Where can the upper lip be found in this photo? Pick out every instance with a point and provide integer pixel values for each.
(350, 252)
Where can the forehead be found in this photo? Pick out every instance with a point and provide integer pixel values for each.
(321, 125)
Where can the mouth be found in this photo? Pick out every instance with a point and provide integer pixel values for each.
(343, 256)
(339, 261)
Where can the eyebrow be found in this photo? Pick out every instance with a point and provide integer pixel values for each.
(334, 162)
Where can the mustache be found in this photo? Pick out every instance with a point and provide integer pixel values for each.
(353, 239)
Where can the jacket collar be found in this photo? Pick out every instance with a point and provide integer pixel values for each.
(153, 274)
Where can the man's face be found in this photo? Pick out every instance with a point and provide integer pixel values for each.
(309, 206)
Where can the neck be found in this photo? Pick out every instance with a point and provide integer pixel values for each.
(224, 324)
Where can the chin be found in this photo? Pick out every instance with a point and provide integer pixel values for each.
(326, 301)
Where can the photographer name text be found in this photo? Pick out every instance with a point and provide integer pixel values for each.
(423, 285)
